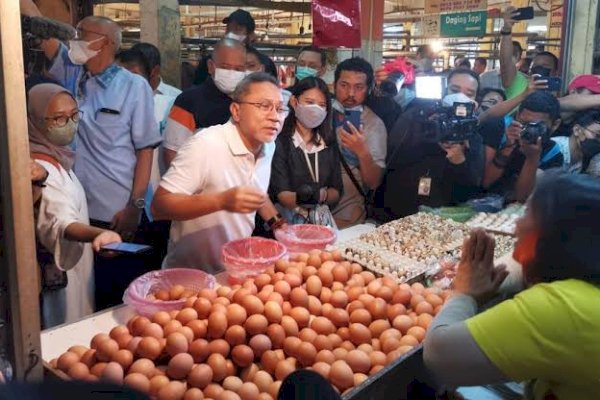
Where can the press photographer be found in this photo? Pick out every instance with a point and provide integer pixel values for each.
(514, 158)
(435, 154)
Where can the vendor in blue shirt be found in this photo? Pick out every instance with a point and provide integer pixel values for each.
(117, 132)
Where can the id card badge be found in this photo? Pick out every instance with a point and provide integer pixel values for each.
(424, 186)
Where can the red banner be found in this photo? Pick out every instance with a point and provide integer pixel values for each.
(336, 23)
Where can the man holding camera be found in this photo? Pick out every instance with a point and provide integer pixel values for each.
(512, 166)
(435, 155)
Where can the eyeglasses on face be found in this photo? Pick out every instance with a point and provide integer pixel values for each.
(267, 107)
(62, 120)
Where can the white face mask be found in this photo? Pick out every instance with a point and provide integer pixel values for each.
(459, 97)
(62, 135)
(340, 107)
(80, 52)
(227, 79)
(234, 36)
(310, 115)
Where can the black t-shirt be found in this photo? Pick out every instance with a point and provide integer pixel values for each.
(202, 74)
(495, 138)
(289, 169)
(206, 103)
(412, 156)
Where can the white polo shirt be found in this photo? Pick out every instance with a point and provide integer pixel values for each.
(213, 160)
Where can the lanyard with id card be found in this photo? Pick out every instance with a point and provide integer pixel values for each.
(424, 188)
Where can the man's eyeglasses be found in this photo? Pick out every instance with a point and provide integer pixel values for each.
(80, 33)
(267, 106)
(64, 119)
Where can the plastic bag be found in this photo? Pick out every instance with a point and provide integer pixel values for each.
(336, 23)
(303, 238)
(400, 64)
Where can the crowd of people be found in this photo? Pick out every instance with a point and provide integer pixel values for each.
(119, 155)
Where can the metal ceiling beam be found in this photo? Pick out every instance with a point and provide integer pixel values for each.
(264, 4)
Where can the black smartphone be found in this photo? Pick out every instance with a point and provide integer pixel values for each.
(523, 13)
(129, 248)
(352, 116)
(553, 82)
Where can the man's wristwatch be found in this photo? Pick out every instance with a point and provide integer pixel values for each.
(139, 203)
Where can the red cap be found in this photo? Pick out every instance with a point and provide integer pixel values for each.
(589, 82)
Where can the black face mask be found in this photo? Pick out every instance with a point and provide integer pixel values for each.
(589, 148)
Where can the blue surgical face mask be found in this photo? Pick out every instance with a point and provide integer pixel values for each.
(305, 72)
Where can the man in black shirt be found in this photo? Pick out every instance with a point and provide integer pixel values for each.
(421, 170)
(513, 160)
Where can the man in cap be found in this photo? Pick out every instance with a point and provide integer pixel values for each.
(239, 26)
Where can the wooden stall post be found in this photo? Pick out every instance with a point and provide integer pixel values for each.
(19, 286)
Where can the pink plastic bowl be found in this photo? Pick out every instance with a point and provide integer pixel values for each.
(139, 289)
(304, 238)
(249, 257)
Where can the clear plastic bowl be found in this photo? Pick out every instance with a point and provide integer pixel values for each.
(304, 238)
(138, 290)
(246, 258)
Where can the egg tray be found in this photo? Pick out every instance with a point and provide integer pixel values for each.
(381, 261)
(503, 223)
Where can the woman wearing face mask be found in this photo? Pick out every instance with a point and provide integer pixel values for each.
(62, 224)
(547, 335)
(581, 150)
(306, 165)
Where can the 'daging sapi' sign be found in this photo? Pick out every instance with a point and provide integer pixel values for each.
(441, 6)
(463, 24)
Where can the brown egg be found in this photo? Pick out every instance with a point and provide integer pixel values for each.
(235, 335)
(143, 366)
(79, 371)
(277, 334)
(335, 339)
(217, 307)
(314, 285)
(377, 358)
(348, 345)
(123, 341)
(322, 326)
(228, 395)
(354, 293)
(339, 299)
(416, 299)
(409, 340)
(424, 308)
(138, 382)
(189, 303)
(97, 369)
(286, 307)
(385, 293)
(123, 357)
(340, 274)
(172, 326)
(248, 373)
(186, 315)
(138, 325)
(283, 369)
(299, 297)
(176, 292)
(326, 278)
(390, 333)
(200, 376)
(248, 391)
(173, 390)
(219, 346)
(217, 325)
(424, 320)
(236, 314)
(79, 350)
(259, 344)
(401, 296)
(377, 308)
(198, 328)
(322, 368)
(283, 288)
(88, 358)
(224, 291)
(403, 323)
(232, 383)
(242, 355)
(162, 295)
(417, 332)
(99, 338)
(252, 304)
(291, 344)
(301, 316)
(359, 378)
(187, 332)
(154, 330)
(273, 311)
(66, 361)
(335, 286)
(106, 350)
(307, 335)
(213, 391)
(158, 382)
(199, 350)
(115, 332)
(344, 334)
(113, 372)
(361, 316)
(202, 307)
(269, 361)
(307, 353)
(193, 394)
(314, 261)
(359, 334)
(218, 363)
(294, 279)
(256, 324)
(230, 368)
(223, 301)
(358, 361)
(262, 280)
(378, 327)
(341, 375)
(180, 366)
(325, 356)
(149, 347)
(273, 389)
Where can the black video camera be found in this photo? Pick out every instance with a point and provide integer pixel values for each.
(33, 31)
(532, 131)
(308, 195)
(454, 124)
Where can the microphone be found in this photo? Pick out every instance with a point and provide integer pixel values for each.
(46, 28)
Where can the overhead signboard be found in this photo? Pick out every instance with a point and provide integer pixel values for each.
(431, 26)
(463, 24)
(442, 6)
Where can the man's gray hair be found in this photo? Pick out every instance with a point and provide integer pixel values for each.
(109, 27)
(243, 87)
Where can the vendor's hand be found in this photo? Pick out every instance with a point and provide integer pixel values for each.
(539, 84)
(105, 238)
(532, 151)
(126, 222)
(507, 16)
(37, 172)
(513, 133)
(476, 275)
(243, 199)
(354, 140)
(455, 152)
(380, 75)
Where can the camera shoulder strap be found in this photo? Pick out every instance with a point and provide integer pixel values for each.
(352, 177)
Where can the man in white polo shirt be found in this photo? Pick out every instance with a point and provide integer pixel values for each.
(220, 176)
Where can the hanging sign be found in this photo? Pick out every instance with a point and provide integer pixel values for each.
(336, 23)
(440, 6)
(463, 24)
(431, 25)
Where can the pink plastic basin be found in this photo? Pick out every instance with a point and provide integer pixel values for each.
(138, 290)
(245, 258)
(304, 238)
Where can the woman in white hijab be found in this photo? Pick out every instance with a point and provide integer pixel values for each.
(62, 224)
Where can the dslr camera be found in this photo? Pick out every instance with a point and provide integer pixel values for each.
(307, 195)
(532, 131)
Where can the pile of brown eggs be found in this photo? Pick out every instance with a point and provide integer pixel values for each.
(315, 311)
(177, 292)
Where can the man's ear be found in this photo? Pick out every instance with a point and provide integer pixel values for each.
(234, 108)
(155, 71)
(211, 67)
(293, 101)
(556, 125)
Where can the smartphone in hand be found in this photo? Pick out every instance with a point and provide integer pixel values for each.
(523, 13)
(126, 248)
(352, 116)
